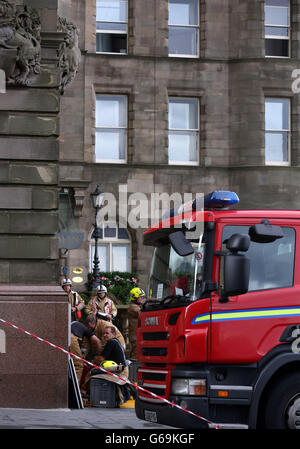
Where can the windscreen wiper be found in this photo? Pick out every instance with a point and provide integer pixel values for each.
(170, 298)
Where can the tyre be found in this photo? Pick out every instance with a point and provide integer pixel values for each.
(282, 409)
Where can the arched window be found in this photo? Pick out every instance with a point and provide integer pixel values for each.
(114, 248)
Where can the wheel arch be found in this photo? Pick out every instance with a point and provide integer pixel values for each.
(276, 369)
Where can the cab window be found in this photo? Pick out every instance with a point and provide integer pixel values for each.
(271, 264)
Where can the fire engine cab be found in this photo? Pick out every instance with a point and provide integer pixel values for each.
(219, 332)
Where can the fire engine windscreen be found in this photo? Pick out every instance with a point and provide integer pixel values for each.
(172, 274)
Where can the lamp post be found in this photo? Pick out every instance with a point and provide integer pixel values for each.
(97, 199)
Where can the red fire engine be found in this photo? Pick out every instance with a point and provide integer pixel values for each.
(219, 332)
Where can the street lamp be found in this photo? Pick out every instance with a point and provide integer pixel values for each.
(97, 199)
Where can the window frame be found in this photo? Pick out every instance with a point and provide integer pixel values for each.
(110, 242)
(196, 27)
(288, 131)
(236, 228)
(278, 37)
(110, 32)
(196, 130)
(101, 128)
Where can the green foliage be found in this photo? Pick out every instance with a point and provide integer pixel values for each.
(117, 283)
(85, 296)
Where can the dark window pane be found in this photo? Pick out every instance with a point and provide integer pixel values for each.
(277, 2)
(111, 43)
(277, 47)
(109, 231)
(122, 234)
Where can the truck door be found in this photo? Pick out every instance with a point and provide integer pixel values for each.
(248, 326)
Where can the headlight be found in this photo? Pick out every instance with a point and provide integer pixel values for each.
(191, 387)
(179, 386)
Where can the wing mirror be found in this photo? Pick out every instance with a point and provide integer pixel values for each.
(265, 232)
(180, 244)
(236, 266)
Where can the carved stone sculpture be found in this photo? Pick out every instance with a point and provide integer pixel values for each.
(20, 32)
(69, 53)
(20, 46)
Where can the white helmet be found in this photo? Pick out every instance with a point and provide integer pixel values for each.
(66, 282)
(101, 289)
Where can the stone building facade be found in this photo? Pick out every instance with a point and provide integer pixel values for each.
(238, 129)
(230, 77)
(33, 52)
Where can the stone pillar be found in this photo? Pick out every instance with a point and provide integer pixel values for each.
(32, 374)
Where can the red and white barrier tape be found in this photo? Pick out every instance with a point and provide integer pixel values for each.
(212, 424)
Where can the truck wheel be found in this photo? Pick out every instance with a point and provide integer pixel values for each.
(282, 410)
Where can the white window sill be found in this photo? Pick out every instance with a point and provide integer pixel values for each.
(183, 56)
(278, 164)
(110, 53)
(110, 161)
(194, 164)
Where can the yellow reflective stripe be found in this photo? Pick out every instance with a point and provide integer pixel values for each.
(248, 314)
(201, 318)
(268, 313)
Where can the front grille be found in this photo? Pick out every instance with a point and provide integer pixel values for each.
(154, 336)
(154, 389)
(152, 375)
(154, 381)
(156, 365)
(155, 351)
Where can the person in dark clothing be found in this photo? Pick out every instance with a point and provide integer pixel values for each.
(113, 351)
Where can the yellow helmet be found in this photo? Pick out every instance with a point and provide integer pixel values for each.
(136, 293)
(109, 365)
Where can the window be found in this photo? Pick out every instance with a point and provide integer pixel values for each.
(277, 28)
(111, 128)
(183, 28)
(114, 249)
(277, 131)
(111, 36)
(183, 131)
(172, 274)
(271, 264)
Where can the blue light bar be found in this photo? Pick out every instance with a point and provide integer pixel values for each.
(220, 199)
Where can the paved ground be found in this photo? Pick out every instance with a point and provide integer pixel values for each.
(87, 418)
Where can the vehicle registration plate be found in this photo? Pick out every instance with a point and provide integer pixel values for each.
(150, 416)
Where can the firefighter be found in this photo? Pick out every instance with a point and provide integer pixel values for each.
(97, 326)
(101, 305)
(78, 332)
(136, 298)
(77, 303)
